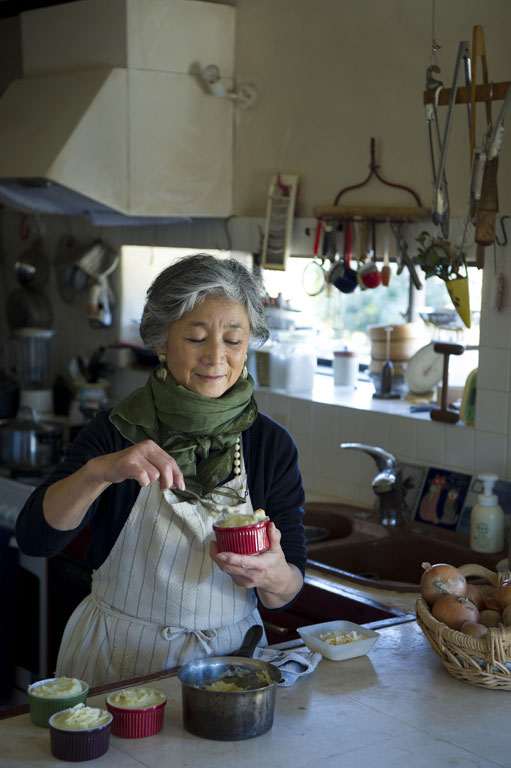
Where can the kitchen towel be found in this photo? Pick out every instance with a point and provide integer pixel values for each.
(292, 664)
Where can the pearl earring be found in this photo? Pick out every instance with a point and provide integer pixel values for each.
(161, 373)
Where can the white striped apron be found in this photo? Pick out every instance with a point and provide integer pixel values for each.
(158, 600)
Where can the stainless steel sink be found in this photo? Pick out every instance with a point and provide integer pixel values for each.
(384, 558)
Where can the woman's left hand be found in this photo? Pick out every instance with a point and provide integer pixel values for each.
(276, 581)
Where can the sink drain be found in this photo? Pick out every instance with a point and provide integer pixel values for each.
(314, 533)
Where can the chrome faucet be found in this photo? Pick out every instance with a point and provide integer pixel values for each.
(386, 484)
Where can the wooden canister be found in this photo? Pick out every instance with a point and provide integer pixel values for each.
(404, 341)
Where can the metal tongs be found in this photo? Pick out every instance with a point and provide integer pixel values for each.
(440, 208)
(432, 118)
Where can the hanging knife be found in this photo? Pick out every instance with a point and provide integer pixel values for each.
(495, 141)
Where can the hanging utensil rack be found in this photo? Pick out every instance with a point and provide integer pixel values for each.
(376, 213)
(484, 206)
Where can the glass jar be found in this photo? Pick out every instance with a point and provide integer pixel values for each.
(292, 364)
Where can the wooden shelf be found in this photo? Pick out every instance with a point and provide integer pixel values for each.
(497, 91)
(382, 212)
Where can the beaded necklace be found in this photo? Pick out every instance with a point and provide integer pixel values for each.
(237, 456)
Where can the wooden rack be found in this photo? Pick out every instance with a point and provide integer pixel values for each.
(377, 213)
(473, 93)
(483, 92)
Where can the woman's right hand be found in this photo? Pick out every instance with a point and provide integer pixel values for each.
(66, 501)
(144, 462)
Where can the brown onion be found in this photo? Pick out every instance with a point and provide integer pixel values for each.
(476, 596)
(502, 595)
(490, 618)
(506, 616)
(474, 629)
(455, 611)
(441, 579)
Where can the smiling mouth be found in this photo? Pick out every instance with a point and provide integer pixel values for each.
(209, 377)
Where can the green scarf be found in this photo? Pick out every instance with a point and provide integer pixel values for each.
(198, 432)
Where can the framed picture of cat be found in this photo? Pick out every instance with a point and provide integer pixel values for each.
(443, 498)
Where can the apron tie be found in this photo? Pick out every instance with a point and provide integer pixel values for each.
(204, 636)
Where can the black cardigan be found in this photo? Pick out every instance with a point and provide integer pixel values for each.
(274, 483)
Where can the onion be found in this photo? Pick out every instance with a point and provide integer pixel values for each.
(475, 595)
(441, 579)
(455, 611)
(502, 595)
(474, 629)
(490, 618)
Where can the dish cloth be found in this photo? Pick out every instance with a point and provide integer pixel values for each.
(292, 664)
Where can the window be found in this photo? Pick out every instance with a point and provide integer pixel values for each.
(336, 318)
(340, 315)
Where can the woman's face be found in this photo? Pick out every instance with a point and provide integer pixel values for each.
(206, 349)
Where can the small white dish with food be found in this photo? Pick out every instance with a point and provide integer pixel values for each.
(338, 640)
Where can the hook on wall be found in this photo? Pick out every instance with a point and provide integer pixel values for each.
(504, 233)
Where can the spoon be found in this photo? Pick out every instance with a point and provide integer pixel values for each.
(214, 508)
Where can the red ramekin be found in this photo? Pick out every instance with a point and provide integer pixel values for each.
(244, 540)
(136, 723)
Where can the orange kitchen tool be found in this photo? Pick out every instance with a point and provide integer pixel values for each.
(385, 270)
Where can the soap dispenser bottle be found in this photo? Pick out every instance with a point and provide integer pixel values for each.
(487, 519)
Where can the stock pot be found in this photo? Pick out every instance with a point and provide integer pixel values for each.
(27, 443)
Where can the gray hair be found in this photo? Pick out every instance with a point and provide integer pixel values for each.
(190, 280)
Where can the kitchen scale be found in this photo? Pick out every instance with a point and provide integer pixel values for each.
(424, 370)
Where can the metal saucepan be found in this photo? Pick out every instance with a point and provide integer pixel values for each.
(228, 715)
(341, 274)
(27, 443)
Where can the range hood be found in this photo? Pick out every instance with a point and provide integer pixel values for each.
(110, 119)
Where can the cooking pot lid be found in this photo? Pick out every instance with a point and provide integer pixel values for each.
(28, 420)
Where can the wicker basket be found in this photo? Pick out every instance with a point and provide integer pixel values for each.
(485, 662)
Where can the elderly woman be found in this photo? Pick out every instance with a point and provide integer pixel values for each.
(162, 594)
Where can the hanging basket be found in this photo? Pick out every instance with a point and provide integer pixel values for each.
(458, 291)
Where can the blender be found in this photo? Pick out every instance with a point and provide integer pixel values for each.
(33, 368)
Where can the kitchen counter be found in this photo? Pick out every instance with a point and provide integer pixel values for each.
(400, 601)
(396, 707)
